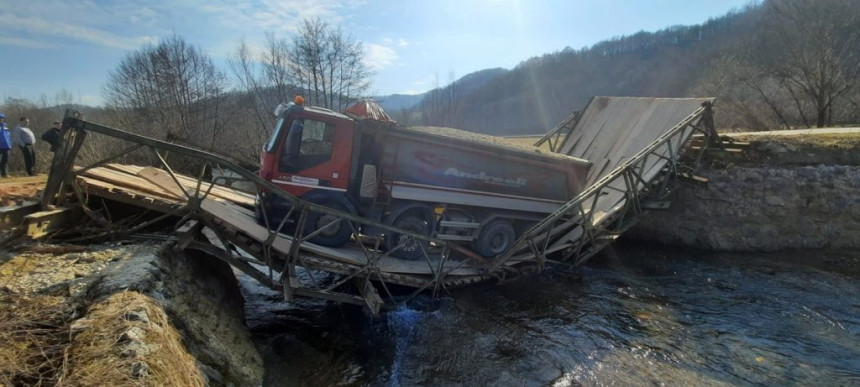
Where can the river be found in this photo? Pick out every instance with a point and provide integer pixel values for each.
(635, 315)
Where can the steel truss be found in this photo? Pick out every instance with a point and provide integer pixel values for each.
(283, 259)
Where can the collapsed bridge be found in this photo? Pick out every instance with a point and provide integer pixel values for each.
(638, 148)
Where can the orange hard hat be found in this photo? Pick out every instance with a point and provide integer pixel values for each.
(300, 100)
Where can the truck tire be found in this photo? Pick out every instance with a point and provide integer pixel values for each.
(335, 235)
(411, 248)
(495, 238)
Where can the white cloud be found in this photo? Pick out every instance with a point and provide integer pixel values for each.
(111, 23)
(384, 54)
(42, 27)
(392, 42)
(378, 56)
(273, 15)
(26, 43)
(128, 24)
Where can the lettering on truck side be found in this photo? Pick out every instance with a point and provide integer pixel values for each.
(484, 177)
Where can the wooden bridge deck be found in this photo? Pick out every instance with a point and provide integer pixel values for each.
(230, 210)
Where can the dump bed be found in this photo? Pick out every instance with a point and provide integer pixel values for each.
(457, 162)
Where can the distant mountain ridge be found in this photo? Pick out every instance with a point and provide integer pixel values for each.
(465, 84)
(395, 102)
(539, 92)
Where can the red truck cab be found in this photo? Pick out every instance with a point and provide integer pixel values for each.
(311, 149)
(310, 156)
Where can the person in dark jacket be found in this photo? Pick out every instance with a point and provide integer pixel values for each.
(5, 145)
(52, 136)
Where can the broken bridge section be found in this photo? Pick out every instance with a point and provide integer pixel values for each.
(637, 145)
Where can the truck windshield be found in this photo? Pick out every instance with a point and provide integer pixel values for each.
(270, 145)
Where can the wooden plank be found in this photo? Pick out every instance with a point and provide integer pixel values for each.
(163, 180)
(371, 297)
(39, 224)
(130, 169)
(718, 150)
(14, 215)
(691, 177)
(125, 195)
(125, 180)
(220, 191)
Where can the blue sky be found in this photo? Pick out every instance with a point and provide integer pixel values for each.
(50, 45)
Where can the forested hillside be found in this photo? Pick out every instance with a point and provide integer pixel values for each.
(733, 57)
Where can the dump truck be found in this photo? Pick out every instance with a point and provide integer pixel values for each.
(441, 182)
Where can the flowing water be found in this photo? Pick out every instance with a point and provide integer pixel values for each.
(635, 315)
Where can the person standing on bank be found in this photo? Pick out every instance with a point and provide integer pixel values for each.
(5, 145)
(52, 136)
(23, 137)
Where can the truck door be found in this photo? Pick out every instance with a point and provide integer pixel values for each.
(315, 154)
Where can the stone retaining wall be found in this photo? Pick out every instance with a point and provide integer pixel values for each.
(761, 208)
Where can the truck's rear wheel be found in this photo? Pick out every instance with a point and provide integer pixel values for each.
(495, 238)
(407, 247)
(336, 234)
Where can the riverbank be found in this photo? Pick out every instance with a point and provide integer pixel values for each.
(121, 314)
(786, 192)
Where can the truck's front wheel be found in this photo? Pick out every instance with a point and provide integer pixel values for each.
(405, 246)
(333, 234)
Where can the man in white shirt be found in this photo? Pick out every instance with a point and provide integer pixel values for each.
(23, 137)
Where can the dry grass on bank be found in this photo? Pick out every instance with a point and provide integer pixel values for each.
(124, 340)
(34, 338)
(127, 340)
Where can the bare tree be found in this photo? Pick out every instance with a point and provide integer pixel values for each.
(320, 62)
(328, 64)
(276, 68)
(443, 105)
(799, 67)
(170, 90)
(253, 81)
(812, 48)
